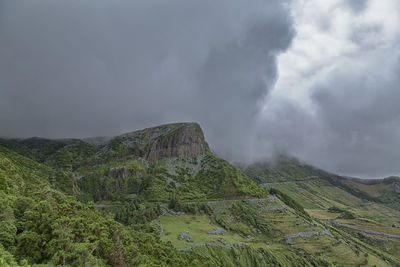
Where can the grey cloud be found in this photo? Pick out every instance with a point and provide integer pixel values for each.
(357, 5)
(87, 68)
(355, 127)
(360, 116)
(352, 124)
(235, 92)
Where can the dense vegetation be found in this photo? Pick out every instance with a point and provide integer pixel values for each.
(40, 224)
(126, 201)
(281, 168)
(47, 189)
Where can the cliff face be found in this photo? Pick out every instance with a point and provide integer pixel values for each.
(185, 140)
(155, 143)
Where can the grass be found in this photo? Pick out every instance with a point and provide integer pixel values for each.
(318, 194)
(197, 226)
(370, 225)
(283, 223)
(322, 214)
(375, 190)
(336, 252)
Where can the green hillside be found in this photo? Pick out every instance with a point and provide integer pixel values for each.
(40, 224)
(280, 169)
(160, 197)
(367, 210)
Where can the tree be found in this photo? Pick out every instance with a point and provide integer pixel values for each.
(3, 183)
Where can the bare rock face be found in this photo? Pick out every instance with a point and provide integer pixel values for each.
(155, 143)
(396, 188)
(122, 172)
(185, 140)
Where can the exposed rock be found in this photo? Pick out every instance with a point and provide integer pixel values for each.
(185, 141)
(190, 239)
(217, 231)
(273, 208)
(194, 246)
(289, 238)
(183, 236)
(176, 212)
(396, 188)
(122, 172)
(222, 240)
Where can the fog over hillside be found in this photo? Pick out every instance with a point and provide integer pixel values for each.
(317, 79)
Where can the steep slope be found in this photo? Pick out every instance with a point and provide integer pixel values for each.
(281, 169)
(42, 225)
(386, 190)
(287, 170)
(181, 206)
(39, 224)
(367, 210)
(171, 161)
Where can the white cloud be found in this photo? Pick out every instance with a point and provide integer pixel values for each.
(329, 35)
(334, 103)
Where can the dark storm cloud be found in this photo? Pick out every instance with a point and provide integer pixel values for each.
(99, 68)
(84, 68)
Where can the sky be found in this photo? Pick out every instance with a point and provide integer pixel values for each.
(319, 80)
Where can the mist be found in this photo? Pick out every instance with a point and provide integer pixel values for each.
(318, 81)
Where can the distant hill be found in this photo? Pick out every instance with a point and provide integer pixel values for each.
(287, 169)
(280, 169)
(386, 190)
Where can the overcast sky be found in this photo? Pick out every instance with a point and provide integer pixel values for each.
(317, 79)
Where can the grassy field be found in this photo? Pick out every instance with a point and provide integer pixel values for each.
(346, 248)
(318, 194)
(322, 214)
(284, 223)
(198, 226)
(336, 252)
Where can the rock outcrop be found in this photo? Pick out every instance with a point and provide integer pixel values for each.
(122, 172)
(289, 238)
(217, 231)
(155, 143)
(185, 141)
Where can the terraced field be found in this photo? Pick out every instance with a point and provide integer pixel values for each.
(318, 196)
(290, 234)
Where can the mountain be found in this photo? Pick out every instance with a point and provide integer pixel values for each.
(160, 197)
(282, 168)
(155, 164)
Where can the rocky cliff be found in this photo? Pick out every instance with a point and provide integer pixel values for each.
(155, 143)
(184, 140)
